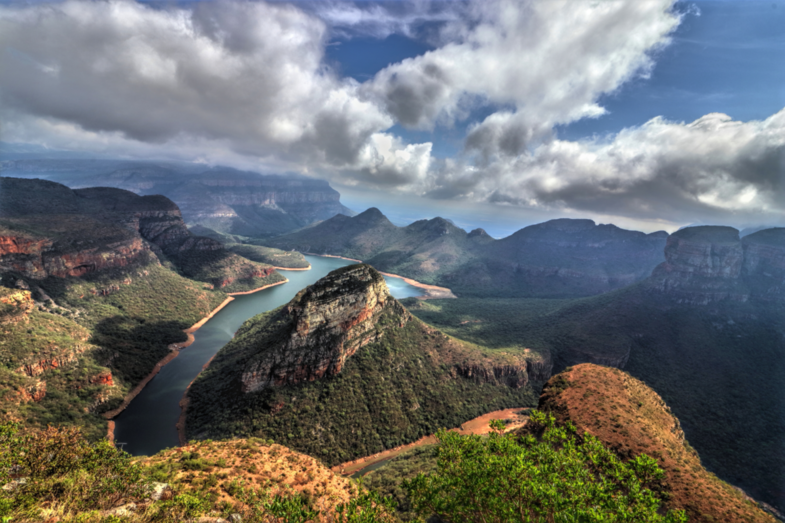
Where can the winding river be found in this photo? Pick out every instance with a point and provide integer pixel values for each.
(147, 425)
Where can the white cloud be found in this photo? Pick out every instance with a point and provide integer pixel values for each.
(245, 83)
(714, 168)
(549, 61)
(247, 73)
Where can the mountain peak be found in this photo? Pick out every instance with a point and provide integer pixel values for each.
(371, 213)
(322, 327)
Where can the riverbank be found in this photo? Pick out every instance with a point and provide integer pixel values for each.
(291, 268)
(180, 425)
(332, 256)
(432, 292)
(479, 425)
(174, 349)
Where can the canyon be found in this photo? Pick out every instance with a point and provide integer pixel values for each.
(347, 355)
(221, 198)
(561, 258)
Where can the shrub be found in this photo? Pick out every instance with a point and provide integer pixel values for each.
(559, 477)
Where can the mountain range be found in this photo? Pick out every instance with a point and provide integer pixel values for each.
(557, 259)
(221, 198)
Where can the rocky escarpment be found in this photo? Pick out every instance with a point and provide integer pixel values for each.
(328, 322)
(764, 264)
(710, 263)
(85, 231)
(224, 199)
(512, 374)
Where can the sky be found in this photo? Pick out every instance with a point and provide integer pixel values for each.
(650, 114)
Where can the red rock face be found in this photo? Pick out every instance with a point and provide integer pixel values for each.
(39, 259)
(35, 392)
(102, 379)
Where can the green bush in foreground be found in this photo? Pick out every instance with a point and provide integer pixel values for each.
(558, 478)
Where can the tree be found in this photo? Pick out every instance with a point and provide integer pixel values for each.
(560, 477)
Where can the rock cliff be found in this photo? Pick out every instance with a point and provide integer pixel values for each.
(710, 263)
(90, 230)
(329, 321)
(225, 199)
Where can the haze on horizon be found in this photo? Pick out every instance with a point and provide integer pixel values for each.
(650, 114)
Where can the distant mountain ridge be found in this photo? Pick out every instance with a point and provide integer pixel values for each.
(558, 258)
(221, 198)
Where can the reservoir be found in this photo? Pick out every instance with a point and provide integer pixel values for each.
(147, 425)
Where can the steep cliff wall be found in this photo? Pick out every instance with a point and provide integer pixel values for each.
(228, 200)
(330, 320)
(709, 264)
(90, 230)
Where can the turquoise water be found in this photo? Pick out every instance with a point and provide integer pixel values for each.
(148, 424)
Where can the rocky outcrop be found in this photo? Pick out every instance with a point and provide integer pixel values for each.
(36, 391)
(328, 321)
(514, 376)
(630, 419)
(710, 263)
(57, 359)
(40, 258)
(16, 304)
(764, 264)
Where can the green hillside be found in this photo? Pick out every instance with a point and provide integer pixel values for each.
(719, 367)
(390, 392)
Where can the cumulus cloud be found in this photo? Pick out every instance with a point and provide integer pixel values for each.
(549, 61)
(714, 168)
(248, 73)
(246, 83)
(418, 18)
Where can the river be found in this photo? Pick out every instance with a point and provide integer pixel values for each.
(147, 425)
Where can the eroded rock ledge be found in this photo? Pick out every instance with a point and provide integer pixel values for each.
(329, 321)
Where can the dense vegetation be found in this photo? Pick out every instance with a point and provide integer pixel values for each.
(719, 367)
(226, 270)
(389, 393)
(559, 476)
(120, 321)
(56, 474)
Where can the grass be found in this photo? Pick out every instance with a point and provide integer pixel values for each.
(68, 479)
